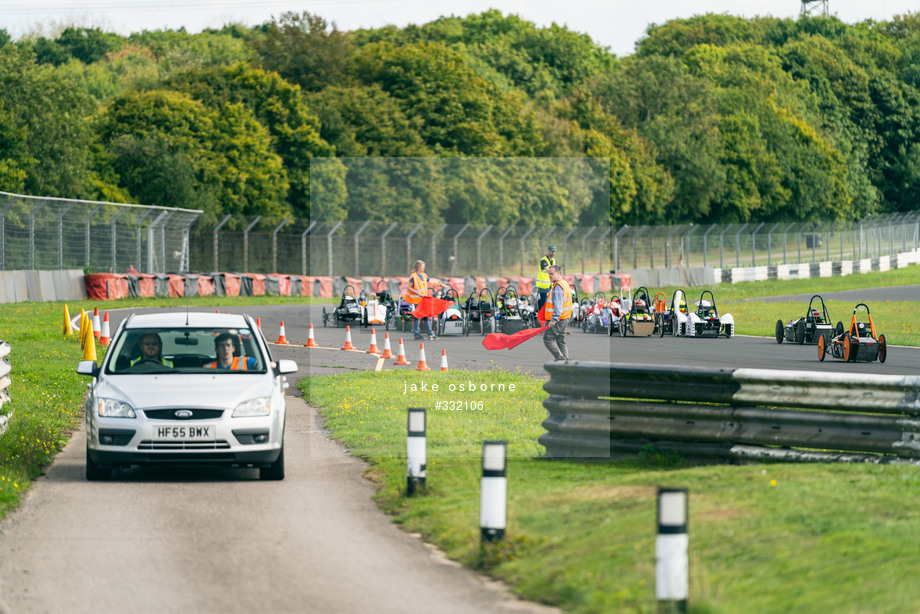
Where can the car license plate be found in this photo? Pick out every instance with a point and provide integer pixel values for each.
(185, 432)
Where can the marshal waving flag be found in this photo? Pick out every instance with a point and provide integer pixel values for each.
(430, 307)
(499, 341)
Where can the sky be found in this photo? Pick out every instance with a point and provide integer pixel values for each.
(616, 24)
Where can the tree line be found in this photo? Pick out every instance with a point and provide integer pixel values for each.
(714, 118)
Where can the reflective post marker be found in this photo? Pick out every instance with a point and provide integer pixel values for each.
(671, 562)
(416, 454)
(494, 491)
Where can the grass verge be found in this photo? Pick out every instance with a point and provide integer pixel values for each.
(763, 537)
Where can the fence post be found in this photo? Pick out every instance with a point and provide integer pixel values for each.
(784, 240)
(434, 237)
(738, 245)
(479, 247)
(754, 244)
(246, 243)
(60, 226)
(329, 245)
(114, 238)
(220, 225)
(601, 251)
(357, 248)
(137, 237)
(456, 255)
(32, 235)
(565, 243)
(524, 251)
(770, 244)
(584, 237)
(685, 245)
(722, 247)
(706, 242)
(88, 219)
(383, 248)
(409, 247)
(151, 241)
(501, 251)
(303, 250)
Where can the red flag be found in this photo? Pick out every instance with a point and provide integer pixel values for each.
(430, 306)
(499, 341)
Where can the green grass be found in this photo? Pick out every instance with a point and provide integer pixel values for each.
(763, 538)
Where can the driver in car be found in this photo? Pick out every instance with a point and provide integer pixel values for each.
(227, 348)
(151, 345)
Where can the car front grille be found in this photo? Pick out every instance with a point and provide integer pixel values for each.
(168, 446)
(170, 414)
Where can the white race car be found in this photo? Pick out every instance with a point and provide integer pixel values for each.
(705, 321)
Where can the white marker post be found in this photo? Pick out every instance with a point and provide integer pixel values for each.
(493, 505)
(671, 562)
(416, 454)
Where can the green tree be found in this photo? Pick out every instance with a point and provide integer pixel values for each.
(304, 49)
(228, 149)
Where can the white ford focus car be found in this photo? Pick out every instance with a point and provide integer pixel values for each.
(186, 388)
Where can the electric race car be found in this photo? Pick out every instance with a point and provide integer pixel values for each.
(705, 321)
(859, 343)
(815, 323)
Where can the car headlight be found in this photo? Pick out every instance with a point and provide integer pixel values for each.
(253, 407)
(112, 408)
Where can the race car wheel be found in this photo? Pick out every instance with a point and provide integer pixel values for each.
(584, 325)
(623, 327)
(822, 347)
(838, 330)
(882, 348)
(800, 332)
(325, 317)
(780, 331)
(846, 349)
(661, 328)
(729, 330)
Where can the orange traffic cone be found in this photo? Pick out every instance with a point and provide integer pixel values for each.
(387, 352)
(422, 365)
(401, 357)
(259, 323)
(282, 340)
(311, 341)
(97, 328)
(373, 349)
(105, 333)
(444, 359)
(348, 345)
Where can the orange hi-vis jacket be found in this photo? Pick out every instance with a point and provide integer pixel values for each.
(418, 288)
(236, 365)
(548, 308)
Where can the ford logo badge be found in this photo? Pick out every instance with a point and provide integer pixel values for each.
(184, 413)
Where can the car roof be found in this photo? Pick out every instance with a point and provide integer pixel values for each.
(178, 319)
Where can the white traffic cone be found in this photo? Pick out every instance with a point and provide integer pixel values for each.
(348, 345)
(401, 358)
(387, 352)
(373, 349)
(97, 328)
(311, 341)
(105, 336)
(422, 365)
(282, 339)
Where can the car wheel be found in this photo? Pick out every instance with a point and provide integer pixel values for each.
(729, 330)
(838, 330)
(325, 317)
(800, 332)
(822, 347)
(846, 348)
(95, 473)
(780, 331)
(661, 328)
(623, 327)
(882, 349)
(275, 471)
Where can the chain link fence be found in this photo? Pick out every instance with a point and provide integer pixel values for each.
(53, 233)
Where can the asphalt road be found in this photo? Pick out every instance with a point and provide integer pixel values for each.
(213, 540)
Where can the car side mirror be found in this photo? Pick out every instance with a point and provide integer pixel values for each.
(286, 366)
(88, 367)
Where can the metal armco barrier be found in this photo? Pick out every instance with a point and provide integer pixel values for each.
(602, 409)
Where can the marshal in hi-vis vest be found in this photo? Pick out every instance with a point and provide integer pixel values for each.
(566, 302)
(543, 281)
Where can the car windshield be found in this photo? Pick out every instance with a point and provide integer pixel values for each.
(186, 350)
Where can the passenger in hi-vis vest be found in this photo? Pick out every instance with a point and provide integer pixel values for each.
(418, 288)
(543, 282)
(557, 312)
(227, 347)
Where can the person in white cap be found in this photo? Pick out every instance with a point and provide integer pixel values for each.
(543, 282)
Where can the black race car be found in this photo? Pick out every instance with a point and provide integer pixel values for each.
(807, 329)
